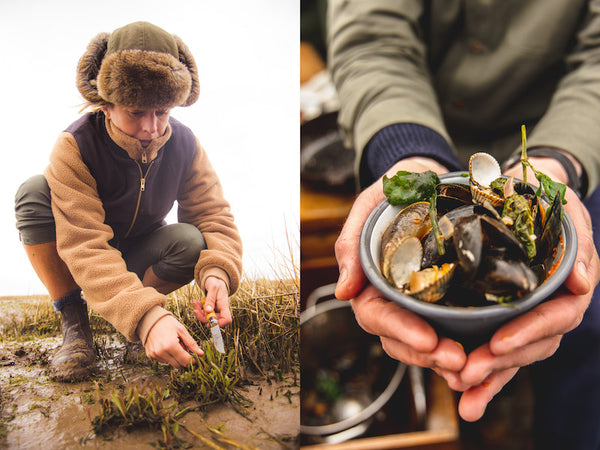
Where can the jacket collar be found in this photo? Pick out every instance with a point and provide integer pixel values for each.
(133, 146)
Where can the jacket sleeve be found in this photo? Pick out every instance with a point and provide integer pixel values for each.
(572, 121)
(202, 204)
(378, 63)
(82, 241)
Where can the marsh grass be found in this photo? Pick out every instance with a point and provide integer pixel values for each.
(145, 406)
(263, 339)
(264, 331)
(265, 324)
(212, 378)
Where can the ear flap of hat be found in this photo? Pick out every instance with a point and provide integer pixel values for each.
(186, 58)
(89, 66)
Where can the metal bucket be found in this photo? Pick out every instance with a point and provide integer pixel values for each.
(362, 377)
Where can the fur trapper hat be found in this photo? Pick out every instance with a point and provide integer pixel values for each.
(139, 65)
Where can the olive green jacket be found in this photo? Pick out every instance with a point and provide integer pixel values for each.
(473, 71)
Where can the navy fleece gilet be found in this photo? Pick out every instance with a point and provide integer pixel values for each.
(118, 177)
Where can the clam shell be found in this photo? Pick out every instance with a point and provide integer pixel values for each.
(430, 284)
(483, 169)
(482, 195)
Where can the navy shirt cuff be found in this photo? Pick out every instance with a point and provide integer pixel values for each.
(402, 140)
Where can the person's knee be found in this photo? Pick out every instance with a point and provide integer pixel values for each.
(33, 211)
(33, 190)
(179, 262)
(191, 243)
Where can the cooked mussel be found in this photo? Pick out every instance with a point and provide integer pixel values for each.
(401, 249)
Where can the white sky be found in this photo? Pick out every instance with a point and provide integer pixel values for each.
(247, 116)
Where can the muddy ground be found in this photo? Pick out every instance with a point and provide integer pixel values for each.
(36, 412)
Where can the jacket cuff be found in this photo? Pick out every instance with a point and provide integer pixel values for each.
(214, 272)
(149, 319)
(402, 140)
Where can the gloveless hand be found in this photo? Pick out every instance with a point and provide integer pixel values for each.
(404, 335)
(217, 300)
(535, 335)
(168, 342)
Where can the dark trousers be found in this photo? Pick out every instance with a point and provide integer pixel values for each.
(172, 250)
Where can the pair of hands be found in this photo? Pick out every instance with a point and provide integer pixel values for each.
(481, 374)
(169, 342)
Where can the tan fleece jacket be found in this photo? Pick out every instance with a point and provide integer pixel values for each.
(98, 268)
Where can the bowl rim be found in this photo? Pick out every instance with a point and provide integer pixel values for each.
(541, 293)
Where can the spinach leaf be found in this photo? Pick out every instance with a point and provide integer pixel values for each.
(410, 187)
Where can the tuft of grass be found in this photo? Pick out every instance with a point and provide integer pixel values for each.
(212, 378)
(265, 328)
(36, 318)
(138, 407)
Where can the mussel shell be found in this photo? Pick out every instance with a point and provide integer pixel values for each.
(430, 251)
(524, 188)
(498, 235)
(549, 240)
(504, 277)
(459, 191)
(451, 196)
(468, 243)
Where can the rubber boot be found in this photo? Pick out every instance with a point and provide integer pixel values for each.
(76, 358)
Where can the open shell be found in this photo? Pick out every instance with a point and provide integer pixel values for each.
(399, 257)
(431, 284)
(483, 169)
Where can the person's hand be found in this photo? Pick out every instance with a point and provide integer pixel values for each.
(217, 300)
(352, 278)
(168, 342)
(535, 335)
(404, 335)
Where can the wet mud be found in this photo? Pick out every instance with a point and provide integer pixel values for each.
(36, 412)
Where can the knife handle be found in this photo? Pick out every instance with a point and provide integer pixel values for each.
(210, 316)
(212, 319)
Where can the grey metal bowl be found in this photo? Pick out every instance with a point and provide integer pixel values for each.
(470, 326)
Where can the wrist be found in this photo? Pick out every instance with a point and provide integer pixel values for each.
(557, 164)
(401, 141)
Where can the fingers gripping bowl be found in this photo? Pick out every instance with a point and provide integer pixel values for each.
(471, 325)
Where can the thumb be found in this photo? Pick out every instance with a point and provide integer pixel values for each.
(584, 271)
(190, 344)
(352, 277)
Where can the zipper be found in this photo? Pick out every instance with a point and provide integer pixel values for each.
(143, 177)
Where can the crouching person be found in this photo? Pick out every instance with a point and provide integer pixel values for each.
(95, 220)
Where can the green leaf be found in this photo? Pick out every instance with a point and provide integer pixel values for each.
(552, 187)
(410, 187)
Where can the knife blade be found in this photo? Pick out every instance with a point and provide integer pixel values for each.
(215, 330)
